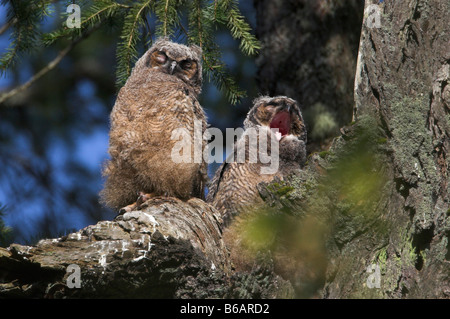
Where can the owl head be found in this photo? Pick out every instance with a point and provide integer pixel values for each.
(278, 112)
(179, 60)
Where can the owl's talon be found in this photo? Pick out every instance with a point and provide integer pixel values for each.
(142, 198)
(127, 209)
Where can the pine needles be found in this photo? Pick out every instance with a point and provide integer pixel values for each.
(23, 18)
(139, 21)
(127, 52)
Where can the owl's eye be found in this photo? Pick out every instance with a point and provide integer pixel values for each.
(161, 57)
(186, 64)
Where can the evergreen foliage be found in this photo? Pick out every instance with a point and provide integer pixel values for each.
(194, 21)
(23, 18)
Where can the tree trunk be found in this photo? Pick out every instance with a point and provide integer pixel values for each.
(402, 81)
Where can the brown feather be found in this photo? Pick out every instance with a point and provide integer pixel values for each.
(150, 106)
(233, 188)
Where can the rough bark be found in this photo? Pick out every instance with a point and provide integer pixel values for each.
(402, 82)
(169, 249)
(401, 85)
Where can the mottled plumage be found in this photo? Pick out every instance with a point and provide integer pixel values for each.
(233, 187)
(159, 97)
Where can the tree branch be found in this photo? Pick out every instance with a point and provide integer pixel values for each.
(7, 25)
(168, 249)
(50, 66)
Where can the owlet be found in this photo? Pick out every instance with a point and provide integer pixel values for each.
(158, 100)
(234, 186)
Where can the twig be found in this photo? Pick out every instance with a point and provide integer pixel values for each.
(46, 69)
(165, 17)
(37, 76)
(7, 25)
(199, 25)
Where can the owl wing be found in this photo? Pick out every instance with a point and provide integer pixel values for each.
(219, 178)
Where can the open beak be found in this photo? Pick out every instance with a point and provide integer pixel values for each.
(282, 120)
(172, 66)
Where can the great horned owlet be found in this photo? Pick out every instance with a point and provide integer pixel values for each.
(234, 186)
(159, 98)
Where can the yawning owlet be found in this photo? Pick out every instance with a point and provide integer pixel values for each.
(158, 99)
(233, 187)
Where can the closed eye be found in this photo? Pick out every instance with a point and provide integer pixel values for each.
(161, 57)
(186, 64)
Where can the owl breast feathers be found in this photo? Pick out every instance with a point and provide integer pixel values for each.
(234, 186)
(159, 98)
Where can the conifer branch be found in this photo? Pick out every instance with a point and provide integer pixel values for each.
(204, 16)
(50, 66)
(95, 16)
(7, 25)
(126, 50)
(24, 35)
(37, 76)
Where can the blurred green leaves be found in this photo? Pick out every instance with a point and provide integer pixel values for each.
(23, 18)
(356, 177)
(324, 122)
(296, 226)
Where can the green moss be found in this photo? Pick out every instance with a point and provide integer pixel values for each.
(398, 261)
(381, 259)
(324, 154)
(303, 186)
(411, 252)
(309, 186)
(423, 254)
(284, 190)
(382, 140)
(280, 189)
(413, 150)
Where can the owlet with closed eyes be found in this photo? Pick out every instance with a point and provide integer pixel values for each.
(159, 97)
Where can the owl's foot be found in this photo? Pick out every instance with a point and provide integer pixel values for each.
(142, 198)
